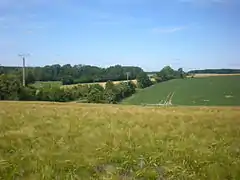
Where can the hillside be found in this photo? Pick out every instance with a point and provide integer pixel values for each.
(221, 90)
(76, 141)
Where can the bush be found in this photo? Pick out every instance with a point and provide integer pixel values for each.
(95, 94)
(10, 86)
(115, 93)
(55, 94)
(110, 93)
(11, 89)
(27, 94)
(67, 80)
(143, 80)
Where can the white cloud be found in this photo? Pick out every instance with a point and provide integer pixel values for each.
(169, 30)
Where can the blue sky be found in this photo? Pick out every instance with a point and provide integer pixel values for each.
(192, 34)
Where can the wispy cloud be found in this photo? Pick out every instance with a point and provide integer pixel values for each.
(169, 30)
(23, 24)
(123, 1)
(206, 1)
(203, 1)
(23, 4)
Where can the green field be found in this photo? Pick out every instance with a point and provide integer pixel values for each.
(216, 91)
(82, 141)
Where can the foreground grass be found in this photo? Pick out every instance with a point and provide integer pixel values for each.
(75, 141)
(209, 91)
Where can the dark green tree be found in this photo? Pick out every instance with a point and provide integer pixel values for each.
(10, 86)
(76, 74)
(95, 94)
(110, 93)
(30, 79)
(181, 73)
(167, 73)
(28, 94)
(143, 80)
(67, 80)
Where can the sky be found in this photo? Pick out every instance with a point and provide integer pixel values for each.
(192, 34)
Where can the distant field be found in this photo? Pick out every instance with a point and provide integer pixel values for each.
(59, 83)
(81, 141)
(219, 90)
(47, 83)
(210, 75)
(100, 83)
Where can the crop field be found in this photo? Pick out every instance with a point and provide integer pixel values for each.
(209, 91)
(210, 75)
(100, 83)
(82, 141)
(59, 83)
(39, 84)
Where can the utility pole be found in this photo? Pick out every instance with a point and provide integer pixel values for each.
(23, 56)
(128, 73)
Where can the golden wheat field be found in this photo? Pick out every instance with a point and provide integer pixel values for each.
(82, 141)
(212, 75)
(104, 83)
(100, 83)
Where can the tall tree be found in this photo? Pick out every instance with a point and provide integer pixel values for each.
(167, 73)
(143, 80)
(181, 73)
(30, 79)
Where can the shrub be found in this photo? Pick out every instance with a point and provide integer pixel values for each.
(10, 87)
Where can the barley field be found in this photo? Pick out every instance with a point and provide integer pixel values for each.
(86, 141)
(59, 83)
(213, 75)
(100, 83)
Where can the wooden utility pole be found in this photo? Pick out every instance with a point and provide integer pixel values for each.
(23, 56)
(128, 73)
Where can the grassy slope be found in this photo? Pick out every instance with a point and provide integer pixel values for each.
(75, 141)
(196, 91)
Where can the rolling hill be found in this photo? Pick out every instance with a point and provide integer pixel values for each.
(215, 91)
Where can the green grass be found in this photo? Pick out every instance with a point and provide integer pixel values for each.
(82, 141)
(222, 90)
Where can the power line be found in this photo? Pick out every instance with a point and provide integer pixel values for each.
(23, 56)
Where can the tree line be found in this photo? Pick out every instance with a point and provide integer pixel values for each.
(76, 74)
(11, 88)
(167, 73)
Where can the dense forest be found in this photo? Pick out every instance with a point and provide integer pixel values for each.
(75, 74)
(215, 71)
